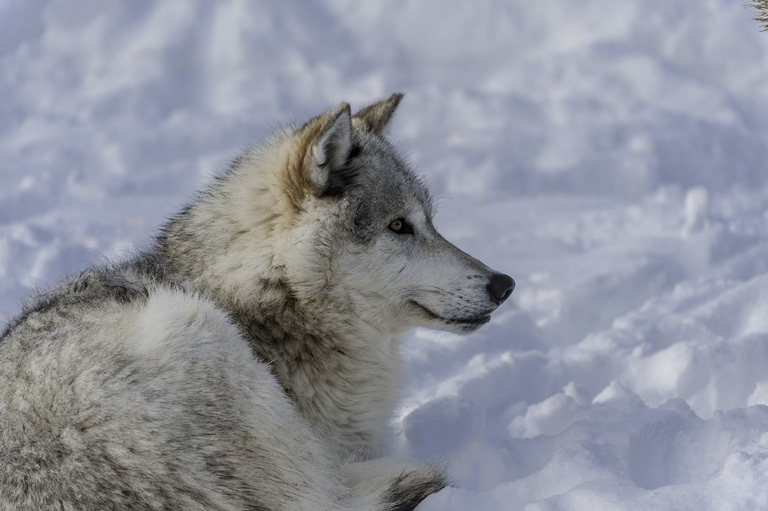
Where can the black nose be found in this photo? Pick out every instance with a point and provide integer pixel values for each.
(500, 287)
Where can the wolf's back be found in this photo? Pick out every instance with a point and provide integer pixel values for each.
(119, 393)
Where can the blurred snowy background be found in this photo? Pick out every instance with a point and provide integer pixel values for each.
(611, 156)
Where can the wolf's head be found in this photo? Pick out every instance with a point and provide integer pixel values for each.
(331, 214)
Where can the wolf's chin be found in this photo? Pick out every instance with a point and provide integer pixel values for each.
(456, 325)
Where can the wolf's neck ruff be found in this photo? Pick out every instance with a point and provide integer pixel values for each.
(302, 350)
(301, 360)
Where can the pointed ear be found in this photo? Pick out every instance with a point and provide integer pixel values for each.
(332, 147)
(375, 117)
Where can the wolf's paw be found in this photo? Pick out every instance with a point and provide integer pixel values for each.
(411, 487)
(394, 484)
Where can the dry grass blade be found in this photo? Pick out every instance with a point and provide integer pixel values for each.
(762, 16)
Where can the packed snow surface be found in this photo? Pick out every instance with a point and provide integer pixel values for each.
(611, 156)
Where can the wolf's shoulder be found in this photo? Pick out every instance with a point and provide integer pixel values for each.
(123, 310)
(94, 288)
(98, 295)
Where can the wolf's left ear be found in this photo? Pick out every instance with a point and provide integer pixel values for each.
(375, 117)
(332, 148)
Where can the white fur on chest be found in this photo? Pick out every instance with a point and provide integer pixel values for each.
(350, 393)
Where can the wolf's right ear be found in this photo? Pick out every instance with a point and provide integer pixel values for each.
(332, 148)
(375, 117)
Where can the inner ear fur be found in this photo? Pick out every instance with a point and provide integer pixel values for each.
(322, 148)
(325, 146)
(331, 149)
(374, 118)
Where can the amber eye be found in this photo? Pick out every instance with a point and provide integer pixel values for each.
(400, 226)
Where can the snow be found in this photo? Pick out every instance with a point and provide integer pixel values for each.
(610, 156)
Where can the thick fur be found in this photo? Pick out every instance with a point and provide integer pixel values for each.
(249, 359)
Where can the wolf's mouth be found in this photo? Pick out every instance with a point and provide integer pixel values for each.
(474, 321)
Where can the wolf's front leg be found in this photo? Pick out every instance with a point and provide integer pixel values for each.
(392, 484)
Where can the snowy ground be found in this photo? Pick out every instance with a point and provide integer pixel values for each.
(611, 156)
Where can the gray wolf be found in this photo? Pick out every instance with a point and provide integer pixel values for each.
(249, 359)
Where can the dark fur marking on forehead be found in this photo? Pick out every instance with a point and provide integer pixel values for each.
(423, 196)
(372, 149)
(414, 184)
(388, 187)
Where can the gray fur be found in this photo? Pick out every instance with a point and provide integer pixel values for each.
(249, 359)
